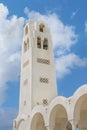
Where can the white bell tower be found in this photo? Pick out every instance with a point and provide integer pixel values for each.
(38, 80)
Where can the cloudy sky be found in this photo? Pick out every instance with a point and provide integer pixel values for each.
(67, 20)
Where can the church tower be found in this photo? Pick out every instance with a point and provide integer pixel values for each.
(38, 81)
(40, 108)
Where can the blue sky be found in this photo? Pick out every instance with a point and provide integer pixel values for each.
(67, 20)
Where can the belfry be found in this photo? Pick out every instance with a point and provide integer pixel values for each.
(40, 107)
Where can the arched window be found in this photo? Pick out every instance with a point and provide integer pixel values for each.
(38, 42)
(45, 44)
(41, 27)
(26, 30)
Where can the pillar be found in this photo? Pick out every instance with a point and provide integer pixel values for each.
(73, 124)
(47, 127)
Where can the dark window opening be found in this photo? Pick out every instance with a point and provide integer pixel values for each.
(26, 30)
(38, 42)
(45, 44)
(28, 43)
(25, 46)
(41, 28)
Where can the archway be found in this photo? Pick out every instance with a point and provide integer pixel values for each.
(37, 122)
(58, 118)
(80, 113)
(22, 125)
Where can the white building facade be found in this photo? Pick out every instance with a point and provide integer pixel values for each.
(40, 108)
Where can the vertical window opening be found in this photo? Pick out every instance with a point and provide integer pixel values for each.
(45, 44)
(38, 42)
(25, 46)
(26, 30)
(41, 27)
(28, 43)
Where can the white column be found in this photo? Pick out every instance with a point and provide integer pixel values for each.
(73, 124)
(47, 127)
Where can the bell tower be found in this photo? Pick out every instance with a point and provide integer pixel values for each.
(38, 81)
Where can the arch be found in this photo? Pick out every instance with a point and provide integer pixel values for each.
(41, 27)
(58, 114)
(37, 122)
(79, 93)
(80, 112)
(58, 100)
(38, 109)
(19, 124)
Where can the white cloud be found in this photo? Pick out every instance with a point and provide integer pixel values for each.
(10, 41)
(66, 63)
(3, 11)
(63, 37)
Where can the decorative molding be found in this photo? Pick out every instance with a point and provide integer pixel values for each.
(44, 80)
(45, 101)
(43, 61)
